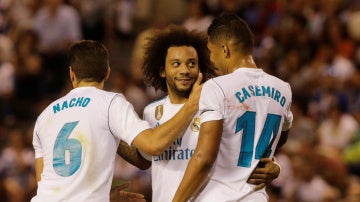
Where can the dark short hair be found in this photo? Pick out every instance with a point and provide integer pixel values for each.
(156, 51)
(229, 26)
(89, 60)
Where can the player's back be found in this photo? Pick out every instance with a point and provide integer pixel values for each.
(78, 149)
(253, 105)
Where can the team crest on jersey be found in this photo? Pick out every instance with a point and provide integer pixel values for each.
(195, 125)
(159, 111)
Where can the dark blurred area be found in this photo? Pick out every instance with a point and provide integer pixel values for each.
(313, 45)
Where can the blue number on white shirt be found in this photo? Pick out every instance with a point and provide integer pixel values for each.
(63, 144)
(263, 149)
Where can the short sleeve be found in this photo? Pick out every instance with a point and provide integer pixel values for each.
(36, 142)
(124, 122)
(211, 104)
(288, 121)
(288, 118)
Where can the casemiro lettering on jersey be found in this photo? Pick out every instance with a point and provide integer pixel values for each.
(177, 153)
(267, 91)
(73, 102)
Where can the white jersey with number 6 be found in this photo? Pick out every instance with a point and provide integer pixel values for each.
(77, 136)
(255, 107)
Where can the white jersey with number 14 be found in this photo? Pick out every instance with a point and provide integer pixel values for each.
(255, 108)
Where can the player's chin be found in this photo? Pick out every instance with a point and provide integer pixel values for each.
(184, 90)
(185, 85)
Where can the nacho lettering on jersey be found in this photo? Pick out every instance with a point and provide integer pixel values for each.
(73, 102)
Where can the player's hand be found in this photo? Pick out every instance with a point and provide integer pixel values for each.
(118, 195)
(264, 173)
(196, 91)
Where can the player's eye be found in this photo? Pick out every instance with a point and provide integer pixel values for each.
(192, 64)
(176, 64)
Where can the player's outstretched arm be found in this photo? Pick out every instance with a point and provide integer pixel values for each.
(155, 141)
(266, 171)
(201, 162)
(132, 155)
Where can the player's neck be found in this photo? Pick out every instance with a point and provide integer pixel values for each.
(88, 84)
(245, 61)
(177, 99)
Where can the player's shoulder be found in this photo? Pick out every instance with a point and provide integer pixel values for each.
(279, 81)
(114, 95)
(48, 110)
(275, 78)
(157, 102)
(80, 95)
(216, 82)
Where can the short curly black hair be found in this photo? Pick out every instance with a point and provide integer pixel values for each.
(158, 45)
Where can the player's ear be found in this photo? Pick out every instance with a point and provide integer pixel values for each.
(162, 73)
(107, 73)
(226, 51)
(72, 74)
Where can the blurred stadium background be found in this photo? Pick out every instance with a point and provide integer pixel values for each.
(313, 45)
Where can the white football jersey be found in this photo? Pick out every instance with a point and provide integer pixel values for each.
(167, 169)
(254, 106)
(77, 136)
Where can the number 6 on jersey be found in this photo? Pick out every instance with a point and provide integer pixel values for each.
(63, 146)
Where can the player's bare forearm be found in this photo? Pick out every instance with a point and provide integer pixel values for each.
(195, 175)
(131, 155)
(201, 162)
(39, 166)
(154, 142)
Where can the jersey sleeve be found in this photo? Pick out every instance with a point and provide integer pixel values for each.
(124, 122)
(288, 118)
(288, 121)
(36, 142)
(211, 104)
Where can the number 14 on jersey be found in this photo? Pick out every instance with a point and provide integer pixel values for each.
(246, 123)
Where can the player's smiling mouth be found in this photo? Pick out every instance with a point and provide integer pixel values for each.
(184, 80)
